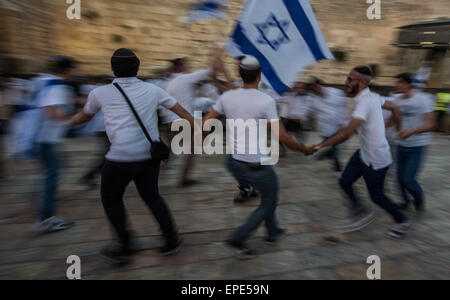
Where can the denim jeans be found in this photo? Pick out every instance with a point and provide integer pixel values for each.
(115, 179)
(49, 157)
(374, 179)
(409, 160)
(265, 181)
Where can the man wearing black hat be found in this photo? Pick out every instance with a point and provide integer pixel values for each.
(129, 158)
(372, 161)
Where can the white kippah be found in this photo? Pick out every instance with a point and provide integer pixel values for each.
(250, 63)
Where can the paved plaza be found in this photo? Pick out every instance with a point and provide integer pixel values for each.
(311, 207)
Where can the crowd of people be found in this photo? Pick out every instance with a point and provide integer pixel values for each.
(129, 113)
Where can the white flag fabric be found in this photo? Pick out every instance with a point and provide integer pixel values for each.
(283, 35)
(207, 9)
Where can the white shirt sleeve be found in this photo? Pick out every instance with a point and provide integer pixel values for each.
(219, 106)
(165, 100)
(361, 110)
(198, 75)
(92, 105)
(57, 95)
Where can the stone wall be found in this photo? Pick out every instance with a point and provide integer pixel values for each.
(39, 28)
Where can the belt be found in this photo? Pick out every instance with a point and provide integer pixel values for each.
(252, 166)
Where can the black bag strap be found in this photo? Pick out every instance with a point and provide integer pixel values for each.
(134, 112)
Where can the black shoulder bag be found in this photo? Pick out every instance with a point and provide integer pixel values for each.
(159, 151)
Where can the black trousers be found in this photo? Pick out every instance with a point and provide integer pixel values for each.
(115, 178)
(98, 166)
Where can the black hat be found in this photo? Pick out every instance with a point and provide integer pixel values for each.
(124, 53)
(407, 77)
(364, 70)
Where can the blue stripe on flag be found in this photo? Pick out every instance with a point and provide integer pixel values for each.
(247, 47)
(301, 20)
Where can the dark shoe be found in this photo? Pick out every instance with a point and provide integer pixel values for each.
(245, 194)
(116, 253)
(420, 207)
(241, 251)
(274, 239)
(172, 248)
(88, 181)
(188, 183)
(404, 206)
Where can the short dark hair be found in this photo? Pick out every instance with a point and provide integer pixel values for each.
(407, 77)
(249, 76)
(60, 64)
(125, 63)
(316, 81)
(178, 62)
(364, 70)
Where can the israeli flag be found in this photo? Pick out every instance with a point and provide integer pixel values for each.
(283, 35)
(207, 9)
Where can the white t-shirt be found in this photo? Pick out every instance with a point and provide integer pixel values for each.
(51, 131)
(412, 111)
(182, 87)
(294, 106)
(331, 111)
(128, 142)
(247, 104)
(375, 150)
(203, 104)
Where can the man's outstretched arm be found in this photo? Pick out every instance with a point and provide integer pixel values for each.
(342, 135)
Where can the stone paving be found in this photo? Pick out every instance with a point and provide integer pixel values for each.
(311, 207)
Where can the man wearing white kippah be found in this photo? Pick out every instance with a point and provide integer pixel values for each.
(247, 104)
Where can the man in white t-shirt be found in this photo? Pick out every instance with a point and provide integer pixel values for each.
(249, 104)
(183, 87)
(418, 120)
(330, 109)
(294, 108)
(129, 157)
(372, 161)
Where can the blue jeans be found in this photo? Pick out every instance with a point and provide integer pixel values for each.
(50, 161)
(409, 160)
(374, 179)
(265, 181)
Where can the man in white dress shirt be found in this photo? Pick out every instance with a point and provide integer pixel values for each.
(129, 158)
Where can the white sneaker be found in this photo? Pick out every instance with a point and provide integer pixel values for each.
(52, 224)
(399, 230)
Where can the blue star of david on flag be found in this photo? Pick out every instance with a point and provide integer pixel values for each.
(273, 28)
(283, 35)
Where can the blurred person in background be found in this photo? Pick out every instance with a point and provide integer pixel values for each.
(294, 109)
(129, 157)
(183, 87)
(418, 120)
(56, 103)
(248, 103)
(16, 93)
(3, 121)
(442, 109)
(96, 127)
(372, 161)
(330, 110)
